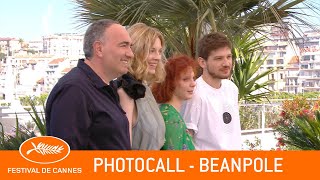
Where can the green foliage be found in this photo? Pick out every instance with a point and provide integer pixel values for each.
(38, 117)
(253, 145)
(249, 117)
(246, 73)
(183, 22)
(24, 101)
(13, 142)
(38, 101)
(5, 104)
(31, 51)
(285, 95)
(272, 112)
(300, 124)
(302, 133)
(2, 55)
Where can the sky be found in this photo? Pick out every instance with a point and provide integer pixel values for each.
(31, 19)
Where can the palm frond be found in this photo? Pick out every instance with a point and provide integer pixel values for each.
(246, 73)
(39, 121)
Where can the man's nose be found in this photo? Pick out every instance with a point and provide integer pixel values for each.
(226, 62)
(130, 53)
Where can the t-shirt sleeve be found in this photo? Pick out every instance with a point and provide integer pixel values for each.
(69, 117)
(191, 114)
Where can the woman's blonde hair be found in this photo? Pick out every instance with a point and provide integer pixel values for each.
(143, 37)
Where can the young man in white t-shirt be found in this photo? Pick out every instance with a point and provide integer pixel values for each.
(212, 115)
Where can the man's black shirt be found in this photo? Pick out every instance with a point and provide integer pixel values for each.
(85, 112)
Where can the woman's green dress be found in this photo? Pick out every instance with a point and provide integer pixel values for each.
(176, 136)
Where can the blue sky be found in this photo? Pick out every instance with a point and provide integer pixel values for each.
(31, 19)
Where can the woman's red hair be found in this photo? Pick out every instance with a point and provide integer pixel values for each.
(174, 68)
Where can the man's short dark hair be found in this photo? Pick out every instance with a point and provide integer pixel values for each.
(212, 41)
(94, 33)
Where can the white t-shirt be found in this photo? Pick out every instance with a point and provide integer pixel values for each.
(209, 113)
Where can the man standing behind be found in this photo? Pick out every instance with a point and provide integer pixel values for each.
(82, 108)
(212, 115)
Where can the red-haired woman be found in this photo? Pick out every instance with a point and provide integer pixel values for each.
(177, 87)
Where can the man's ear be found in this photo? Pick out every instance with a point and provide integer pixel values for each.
(202, 62)
(97, 48)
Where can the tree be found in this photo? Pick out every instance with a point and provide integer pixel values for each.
(32, 51)
(21, 41)
(183, 22)
(2, 55)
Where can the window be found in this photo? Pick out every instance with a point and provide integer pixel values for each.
(272, 47)
(313, 57)
(279, 61)
(311, 66)
(269, 61)
(282, 47)
(272, 77)
(271, 55)
(282, 54)
(311, 44)
(306, 58)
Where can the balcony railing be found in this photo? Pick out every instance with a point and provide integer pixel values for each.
(255, 122)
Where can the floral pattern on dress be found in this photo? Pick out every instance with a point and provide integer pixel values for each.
(177, 136)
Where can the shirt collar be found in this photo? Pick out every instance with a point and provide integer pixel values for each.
(95, 79)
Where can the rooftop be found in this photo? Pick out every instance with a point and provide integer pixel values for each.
(56, 61)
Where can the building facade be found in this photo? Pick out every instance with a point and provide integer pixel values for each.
(296, 61)
(64, 45)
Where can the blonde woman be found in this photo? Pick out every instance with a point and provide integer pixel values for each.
(148, 128)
